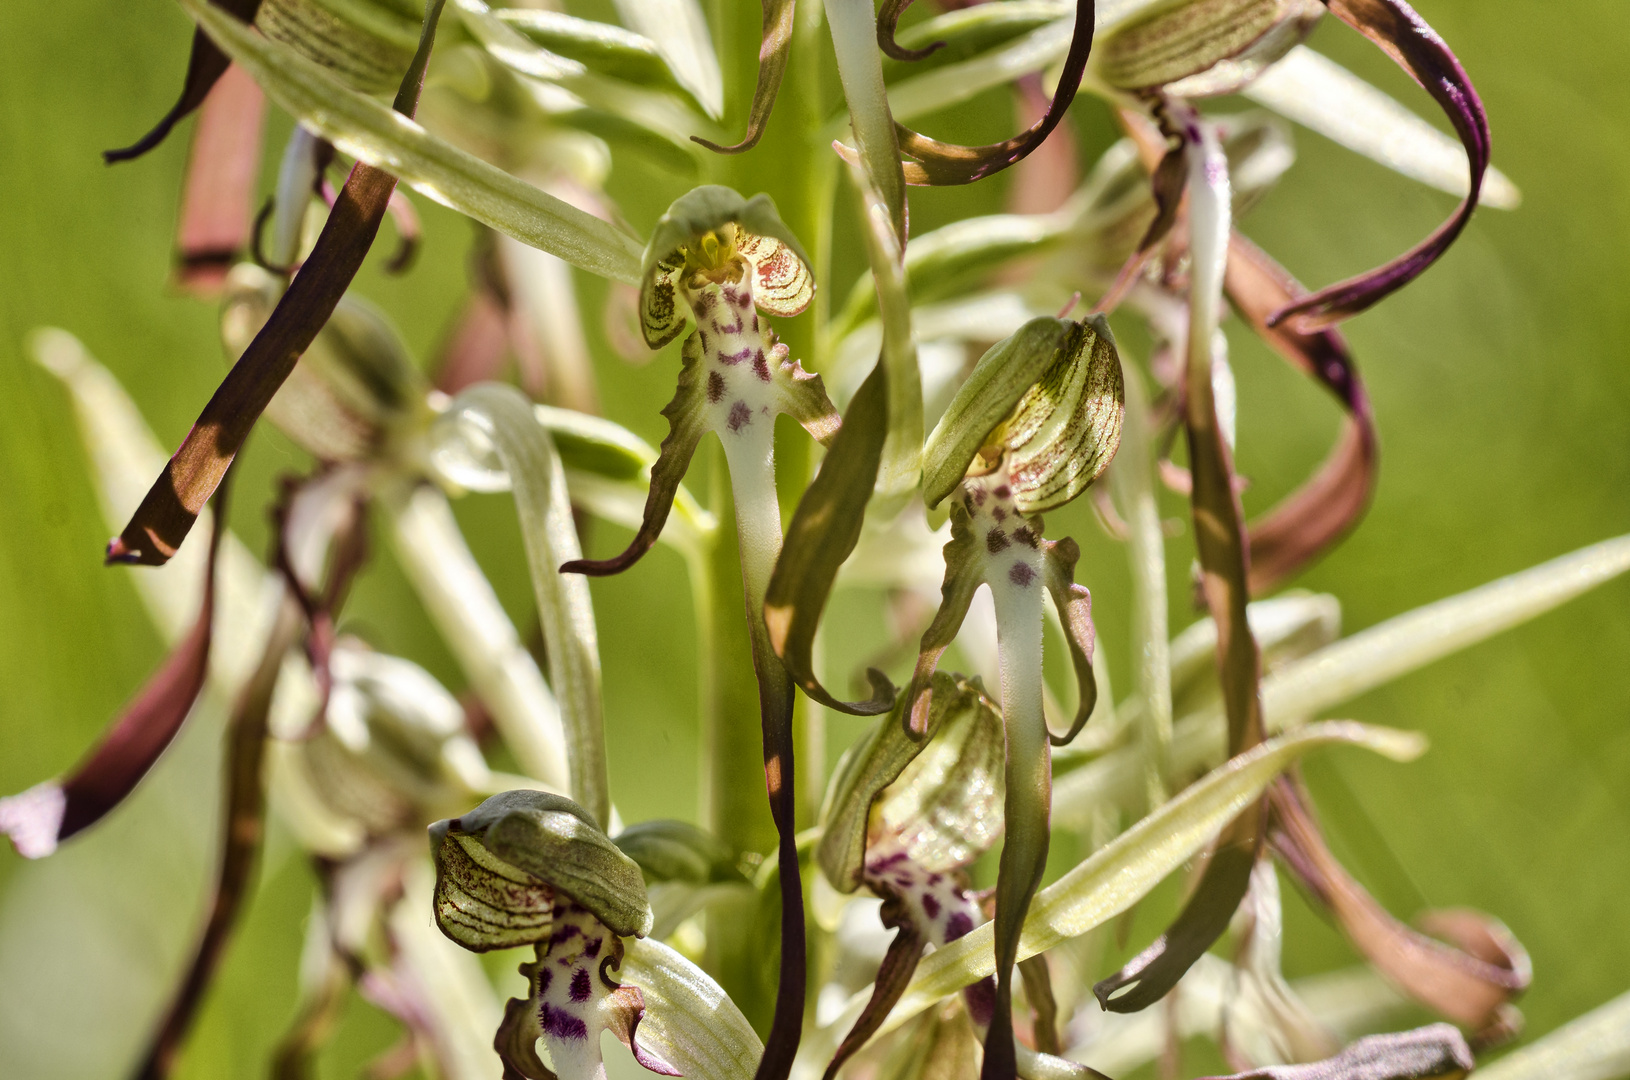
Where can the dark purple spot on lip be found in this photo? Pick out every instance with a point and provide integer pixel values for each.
(1021, 575)
(715, 387)
(761, 366)
(998, 513)
(561, 1024)
(1003, 492)
(740, 416)
(735, 358)
(1024, 536)
(936, 878)
(931, 906)
(957, 926)
(704, 302)
(755, 322)
(887, 861)
(565, 933)
(979, 496)
(592, 949)
(545, 977)
(996, 540)
(981, 999)
(580, 985)
(702, 335)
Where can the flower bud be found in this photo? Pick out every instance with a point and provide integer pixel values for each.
(938, 796)
(353, 389)
(392, 753)
(1202, 47)
(1047, 401)
(500, 867)
(367, 43)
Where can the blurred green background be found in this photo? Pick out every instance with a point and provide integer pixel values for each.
(1499, 382)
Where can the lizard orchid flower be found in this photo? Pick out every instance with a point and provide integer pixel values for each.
(1034, 425)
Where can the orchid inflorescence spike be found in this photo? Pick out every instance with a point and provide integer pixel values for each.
(897, 957)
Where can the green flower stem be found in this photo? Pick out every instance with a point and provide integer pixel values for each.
(1029, 794)
(463, 606)
(1132, 476)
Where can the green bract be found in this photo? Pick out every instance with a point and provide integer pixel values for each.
(499, 866)
(670, 850)
(1049, 399)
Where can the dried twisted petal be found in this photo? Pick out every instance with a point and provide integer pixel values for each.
(167, 514)
(941, 163)
(1317, 515)
(1417, 48)
(1472, 981)
(823, 532)
(1074, 605)
(772, 65)
(1435, 1052)
(205, 66)
(685, 430)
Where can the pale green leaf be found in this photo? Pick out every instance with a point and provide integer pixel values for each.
(860, 69)
(124, 457)
(689, 1020)
(495, 424)
(1596, 1046)
(901, 464)
(1342, 671)
(681, 32)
